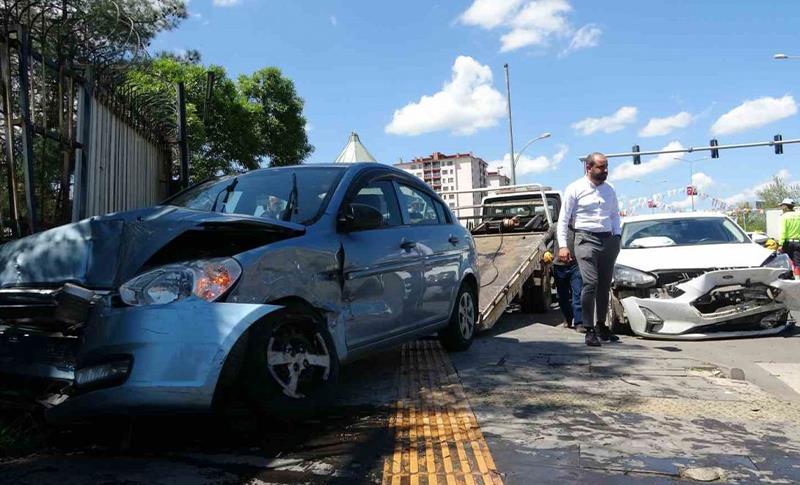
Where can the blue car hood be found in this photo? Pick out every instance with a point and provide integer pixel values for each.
(105, 251)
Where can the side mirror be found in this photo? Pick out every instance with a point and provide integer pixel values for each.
(760, 239)
(360, 217)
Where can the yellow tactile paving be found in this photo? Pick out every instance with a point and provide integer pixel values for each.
(437, 438)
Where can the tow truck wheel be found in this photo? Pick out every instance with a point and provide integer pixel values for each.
(291, 365)
(537, 298)
(460, 332)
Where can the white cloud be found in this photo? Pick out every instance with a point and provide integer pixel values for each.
(466, 104)
(527, 165)
(665, 126)
(334, 20)
(750, 194)
(489, 14)
(702, 181)
(607, 124)
(753, 114)
(628, 170)
(530, 23)
(225, 3)
(585, 37)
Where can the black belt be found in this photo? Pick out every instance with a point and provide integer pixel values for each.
(595, 234)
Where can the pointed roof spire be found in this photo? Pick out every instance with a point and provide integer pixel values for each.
(354, 151)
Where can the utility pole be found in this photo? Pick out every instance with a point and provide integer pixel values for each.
(510, 128)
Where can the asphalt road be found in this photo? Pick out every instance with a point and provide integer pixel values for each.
(772, 363)
(527, 401)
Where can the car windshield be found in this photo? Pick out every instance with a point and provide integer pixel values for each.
(266, 193)
(681, 232)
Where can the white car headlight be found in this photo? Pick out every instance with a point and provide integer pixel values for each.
(778, 260)
(625, 276)
(207, 279)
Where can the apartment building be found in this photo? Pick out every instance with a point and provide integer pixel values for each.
(447, 173)
(497, 179)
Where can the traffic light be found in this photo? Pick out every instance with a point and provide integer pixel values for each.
(637, 159)
(778, 146)
(714, 143)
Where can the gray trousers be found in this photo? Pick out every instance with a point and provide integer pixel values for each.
(596, 256)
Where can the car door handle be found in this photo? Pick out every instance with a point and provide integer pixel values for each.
(453, 240)
(408, 245)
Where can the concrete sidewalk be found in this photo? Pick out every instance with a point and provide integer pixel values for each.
(553, 411)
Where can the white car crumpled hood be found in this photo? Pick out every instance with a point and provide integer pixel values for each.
(680, 317)
(694, 257)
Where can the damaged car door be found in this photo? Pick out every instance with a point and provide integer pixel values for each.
(382, 265)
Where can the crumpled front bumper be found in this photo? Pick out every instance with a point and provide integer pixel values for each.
(176, 352)
(679, 319)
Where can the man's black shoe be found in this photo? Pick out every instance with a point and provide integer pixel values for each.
(605, 334)
(591, 338)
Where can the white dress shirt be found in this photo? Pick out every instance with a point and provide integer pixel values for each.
(588, 207)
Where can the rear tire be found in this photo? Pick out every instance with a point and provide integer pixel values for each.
(291, 365)
(460, 331)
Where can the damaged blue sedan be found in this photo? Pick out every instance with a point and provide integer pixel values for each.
(264, 282)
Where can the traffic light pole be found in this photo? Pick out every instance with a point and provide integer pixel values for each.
(710, 148)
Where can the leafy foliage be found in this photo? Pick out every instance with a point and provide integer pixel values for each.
(776, 191)
(241, 125)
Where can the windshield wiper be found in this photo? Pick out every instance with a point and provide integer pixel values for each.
(227, 189)
(291, 204)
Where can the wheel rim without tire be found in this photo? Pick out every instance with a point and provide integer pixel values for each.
(466, 315)
(298, 360)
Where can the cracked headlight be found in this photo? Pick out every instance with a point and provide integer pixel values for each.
(778, 260)
(207, 279)
(625, 276)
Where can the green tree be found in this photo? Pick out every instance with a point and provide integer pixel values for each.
(278, 114)
(776, 191)
(241, 125)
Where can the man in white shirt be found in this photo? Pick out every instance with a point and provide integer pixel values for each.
(590, 206)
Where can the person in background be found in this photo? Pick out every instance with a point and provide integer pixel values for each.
(590, 205)
(567, 277)
(789, 238)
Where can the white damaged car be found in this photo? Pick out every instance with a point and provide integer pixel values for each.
(698, 276)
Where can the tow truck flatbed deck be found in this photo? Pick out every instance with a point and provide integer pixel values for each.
(505, 261)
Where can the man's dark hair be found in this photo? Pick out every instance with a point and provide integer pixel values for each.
(588, 160)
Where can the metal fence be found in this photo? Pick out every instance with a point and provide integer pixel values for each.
(117, 168)
(73, 146)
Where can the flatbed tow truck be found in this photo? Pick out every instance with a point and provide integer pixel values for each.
(508, 227)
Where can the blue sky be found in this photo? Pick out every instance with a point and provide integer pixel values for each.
(415, 77)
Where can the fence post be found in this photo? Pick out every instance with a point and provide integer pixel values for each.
(27, 125)
(8, 125)
(83, 135)
(183, 144)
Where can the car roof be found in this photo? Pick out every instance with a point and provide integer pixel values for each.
(673, 215)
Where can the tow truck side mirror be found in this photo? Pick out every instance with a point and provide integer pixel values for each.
(359, 217)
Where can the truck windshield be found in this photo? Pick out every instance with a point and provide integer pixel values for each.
(526, 206)
(289, 194)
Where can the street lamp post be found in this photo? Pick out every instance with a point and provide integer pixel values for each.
(515, 158)
(691, 174)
